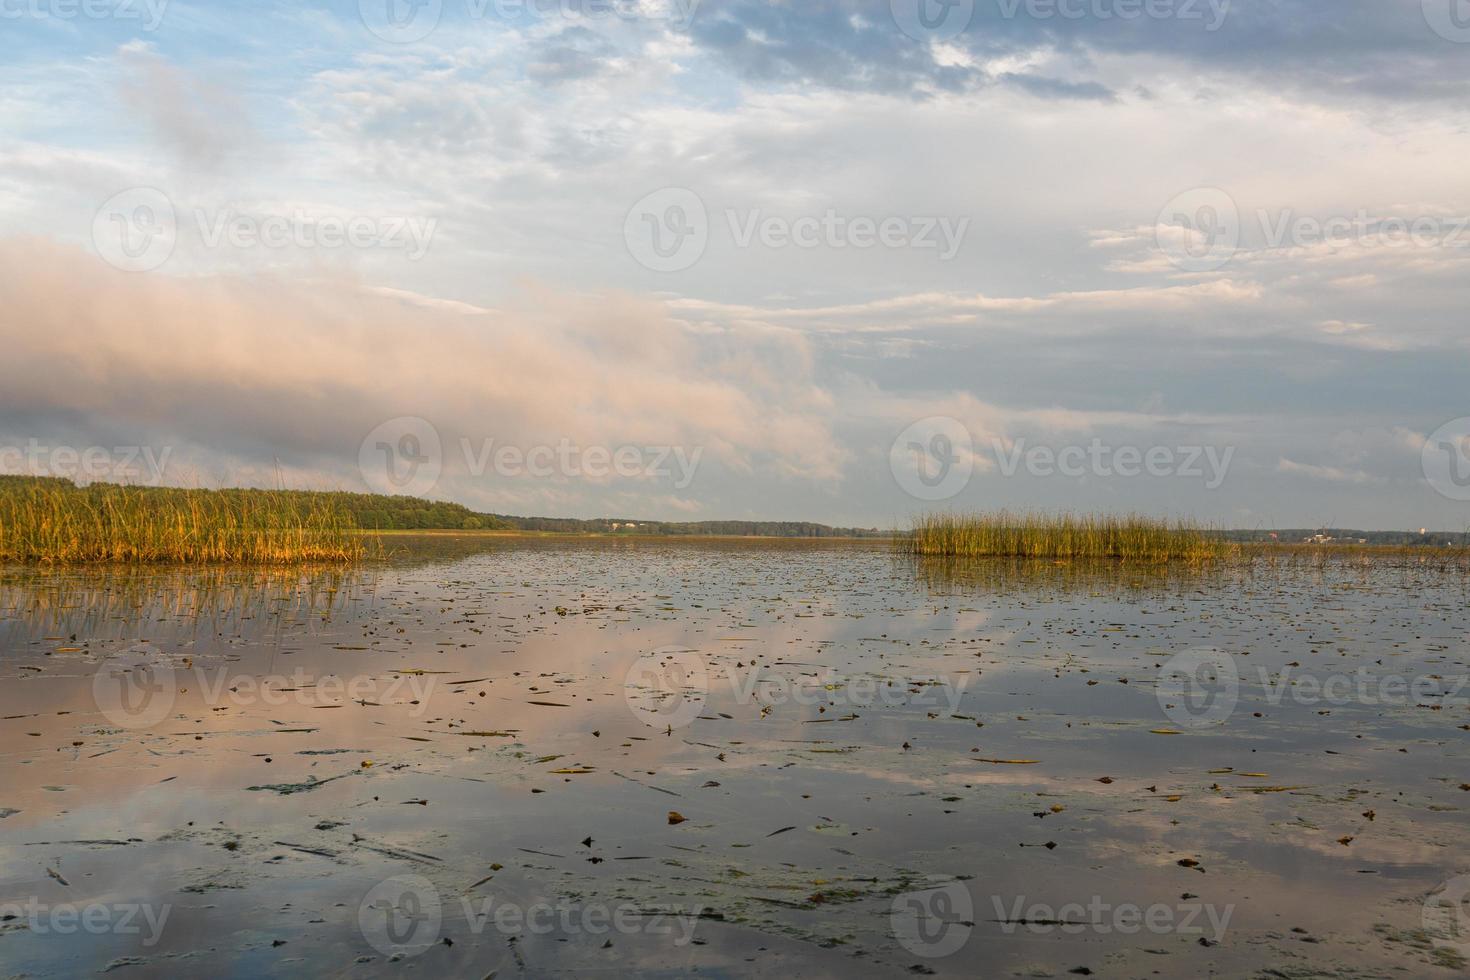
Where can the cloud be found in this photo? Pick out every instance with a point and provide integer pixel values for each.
(236, 370)
(1056, 88)
(1334, 474)
(1325, 49)
(203, 124)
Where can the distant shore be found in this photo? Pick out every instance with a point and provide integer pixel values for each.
(46, 519)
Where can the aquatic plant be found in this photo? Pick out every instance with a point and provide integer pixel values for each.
(1062, 537)
(53, 520)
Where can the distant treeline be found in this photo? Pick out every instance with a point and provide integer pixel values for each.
(760, 529)
(373, 512)
(1430, 539)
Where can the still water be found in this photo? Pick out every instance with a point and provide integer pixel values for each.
(664, 758)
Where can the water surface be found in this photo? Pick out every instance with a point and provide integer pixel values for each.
(529, 757)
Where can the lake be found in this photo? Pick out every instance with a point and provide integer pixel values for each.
(539, 756)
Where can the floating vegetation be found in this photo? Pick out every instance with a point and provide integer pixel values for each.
(1063, 537)
(52, 520)
(856, 750)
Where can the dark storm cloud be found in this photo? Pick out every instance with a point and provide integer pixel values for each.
(1056, 88)
(1379, 48)
(571, 54)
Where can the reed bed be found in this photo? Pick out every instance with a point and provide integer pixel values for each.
(1063, 537)
(49, 520)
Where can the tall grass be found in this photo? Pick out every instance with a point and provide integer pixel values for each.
(50, 520)
(1062, 537)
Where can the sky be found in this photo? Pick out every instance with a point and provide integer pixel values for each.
(833, 260)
